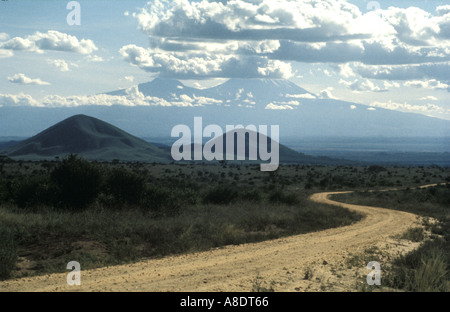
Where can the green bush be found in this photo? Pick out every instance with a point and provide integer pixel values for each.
(252, 195)
(280, 197)
(414, 234)
(125, 186)
(78, 182)
(161, 201)
(221, 195)
(34, 192)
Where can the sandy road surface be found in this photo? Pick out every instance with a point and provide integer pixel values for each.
(282, 262)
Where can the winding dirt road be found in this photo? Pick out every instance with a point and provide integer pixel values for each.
(308, 262)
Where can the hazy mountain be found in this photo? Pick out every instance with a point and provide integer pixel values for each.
(237, 101)
(162, 88)
(88, 137)
(256, 92)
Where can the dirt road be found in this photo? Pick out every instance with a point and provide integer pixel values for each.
(308, 262)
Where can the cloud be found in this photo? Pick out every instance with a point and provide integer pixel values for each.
(129, 78)
(426, 84)
(132, 97)
(62, 65)
(4, 36)
(260, 38)
(405, 107)
(18, 100)
(326, 94)
(311, 20)
(286, 103)
(5, 53)
(203, 64)
(438, 71)
(344, 70)
(94, 58)
(301, 96)
(429, 98)
(207, 39)
(443, 10)
(22, 79)
(278, 107)
(362, 85)
(52, 40)
(352, 107)
(375, 52)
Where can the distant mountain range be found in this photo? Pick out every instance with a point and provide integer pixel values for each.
(95, 139)
(251, 93)
(299, 113)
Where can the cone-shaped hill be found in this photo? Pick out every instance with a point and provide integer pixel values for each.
(88, 137)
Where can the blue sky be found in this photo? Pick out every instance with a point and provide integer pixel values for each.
(397, 57)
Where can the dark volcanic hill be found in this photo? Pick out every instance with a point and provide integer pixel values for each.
(252, 139)
(88, 137)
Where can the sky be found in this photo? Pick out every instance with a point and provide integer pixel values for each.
(388, 54)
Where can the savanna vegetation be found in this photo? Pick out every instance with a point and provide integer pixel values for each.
(110, 213)
(428, 267)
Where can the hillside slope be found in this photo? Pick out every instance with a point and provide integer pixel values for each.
(88, 137)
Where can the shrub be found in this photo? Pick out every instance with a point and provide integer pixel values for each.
(221, 195)
(414, 234)
(280, 197)
(425, 269)
(78, 182)
(161, 201)
(8, 253)
(32, 192)
(252, 195)
(125, 186)
(431, 274)
(376, 169)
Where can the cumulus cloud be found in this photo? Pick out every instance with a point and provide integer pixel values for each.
(18, 100)
(22, 79)
(203, 64)
(326, 94)
(62, 65)
(406, 107)
(361, 85)
(4, 36)
(236, 38)
(259, 38)
(310, 20)
(429, 98)
(438, 71)
(5, 53)
(443, 10)
(52, 40)
(426, 84)
(132, 97)
(94, 58)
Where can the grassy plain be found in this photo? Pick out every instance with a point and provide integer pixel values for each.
(139, 211)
